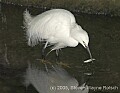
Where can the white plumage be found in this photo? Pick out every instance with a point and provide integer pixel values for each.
(43, 81)
(57, 27)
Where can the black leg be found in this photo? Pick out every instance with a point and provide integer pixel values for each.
(57, 56)
(43, 53)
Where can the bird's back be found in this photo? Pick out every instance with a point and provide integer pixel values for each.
(48, 25)
(55, 15)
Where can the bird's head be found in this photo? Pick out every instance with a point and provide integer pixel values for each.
(84, 40)
(82, 37)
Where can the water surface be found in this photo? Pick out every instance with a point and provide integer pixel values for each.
(15, 54)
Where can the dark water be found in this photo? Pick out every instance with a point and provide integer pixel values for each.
(104, 32)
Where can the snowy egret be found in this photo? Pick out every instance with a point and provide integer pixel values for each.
(55, 27)
(56, 80)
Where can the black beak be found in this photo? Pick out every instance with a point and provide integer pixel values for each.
(88, 49)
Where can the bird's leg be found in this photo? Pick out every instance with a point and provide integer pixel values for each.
(43, 54)
(58, 60)
(46, 67)
(43, 51)
(45, 62)
(57, 55)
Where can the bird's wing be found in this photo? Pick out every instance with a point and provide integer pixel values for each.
(53, 24)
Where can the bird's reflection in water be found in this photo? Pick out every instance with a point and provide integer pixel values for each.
(55, 80)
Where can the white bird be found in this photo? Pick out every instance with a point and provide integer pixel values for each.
(56, 27)
(56, 80)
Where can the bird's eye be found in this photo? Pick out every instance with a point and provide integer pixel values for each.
(84, 44)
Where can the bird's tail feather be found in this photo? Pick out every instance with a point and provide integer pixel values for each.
(27, 18)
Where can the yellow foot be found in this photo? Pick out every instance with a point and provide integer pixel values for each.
(64, 64)
(45, 61)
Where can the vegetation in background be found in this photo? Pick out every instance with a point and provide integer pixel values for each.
(111, 7)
